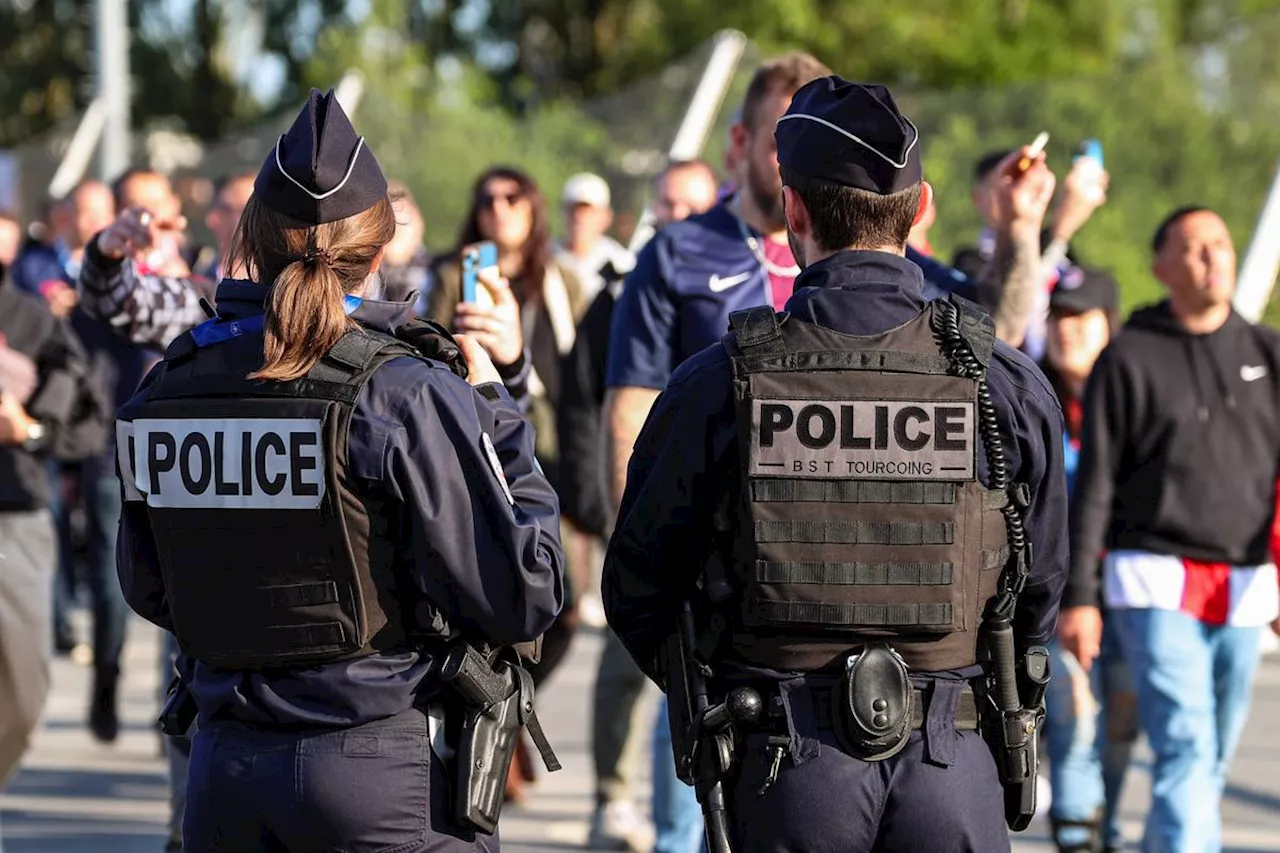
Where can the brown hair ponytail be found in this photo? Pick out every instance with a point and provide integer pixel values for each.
(309, 270)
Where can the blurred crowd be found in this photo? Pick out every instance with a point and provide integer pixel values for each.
(93, 325)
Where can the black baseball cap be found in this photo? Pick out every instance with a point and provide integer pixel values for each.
(1082, 289)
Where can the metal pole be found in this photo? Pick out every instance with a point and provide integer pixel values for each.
(350, 90)
(1261, 262)
(698, 118)
(112, 66)
(80, 152)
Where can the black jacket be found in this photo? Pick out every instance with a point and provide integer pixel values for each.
(1181, 439)
(66, 401)
(584, 466)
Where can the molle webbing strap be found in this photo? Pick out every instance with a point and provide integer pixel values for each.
(852, 491)
(874, 360)
(313, 638)
(228, 386)
(996, 559)
(299, 595)
(825, 613)
(857, 532)
(855, 574)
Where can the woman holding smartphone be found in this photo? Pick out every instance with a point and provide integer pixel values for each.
(509, 211)
(317, 511)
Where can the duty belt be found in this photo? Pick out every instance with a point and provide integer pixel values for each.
(966, 708)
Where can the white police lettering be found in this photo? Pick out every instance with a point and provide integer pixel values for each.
(863, 439)
(229, 463)
(124, 457)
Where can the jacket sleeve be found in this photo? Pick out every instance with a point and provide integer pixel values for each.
(682, 460)
(579, 423)
(1102, 442)
(146, 309)
(137, 564)
(1045, 521)
(482, 518)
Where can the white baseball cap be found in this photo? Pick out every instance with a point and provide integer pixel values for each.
(586, 188)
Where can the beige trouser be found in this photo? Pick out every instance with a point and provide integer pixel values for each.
(28, 555)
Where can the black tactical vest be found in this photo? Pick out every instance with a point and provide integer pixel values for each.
(270, 554)
(861, 516)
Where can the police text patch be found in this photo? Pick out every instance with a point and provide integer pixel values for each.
(863, 439)
(229, 463)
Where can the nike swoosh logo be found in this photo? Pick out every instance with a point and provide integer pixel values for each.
(1249, 374)
(718, 284)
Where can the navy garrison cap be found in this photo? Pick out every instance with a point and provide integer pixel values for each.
(850, 134)
(320, 171)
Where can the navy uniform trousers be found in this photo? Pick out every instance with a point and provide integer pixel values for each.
(940, 794)
(374, 788)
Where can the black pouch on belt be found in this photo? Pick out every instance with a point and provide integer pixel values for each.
(871, 708)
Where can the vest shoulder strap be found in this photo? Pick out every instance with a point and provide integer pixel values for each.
(977, 327)
(757, 331)
(356, 353)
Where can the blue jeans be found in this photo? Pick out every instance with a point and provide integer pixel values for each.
(677, 816)
(1194, 682)
(100, 493)
(110, 611)
(1090, 727)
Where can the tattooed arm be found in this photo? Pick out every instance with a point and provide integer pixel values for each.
(1013, 279)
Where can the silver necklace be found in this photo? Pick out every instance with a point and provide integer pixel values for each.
(754, 244)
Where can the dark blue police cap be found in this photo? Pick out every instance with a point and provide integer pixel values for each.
(851, 134)
(320, 171)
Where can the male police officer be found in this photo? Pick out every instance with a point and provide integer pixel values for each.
(846, 492)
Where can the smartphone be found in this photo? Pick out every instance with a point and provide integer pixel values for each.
(476, 259)
(1089, 148)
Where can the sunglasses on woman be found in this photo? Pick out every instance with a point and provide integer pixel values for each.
(486, 201)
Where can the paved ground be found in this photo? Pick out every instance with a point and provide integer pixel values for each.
(75, 796)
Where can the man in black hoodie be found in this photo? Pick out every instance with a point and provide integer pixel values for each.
(1177, 484)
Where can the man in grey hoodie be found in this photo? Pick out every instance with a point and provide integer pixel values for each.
(1177, 485)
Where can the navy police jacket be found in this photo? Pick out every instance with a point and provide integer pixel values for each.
(687, 455)
(413, 428)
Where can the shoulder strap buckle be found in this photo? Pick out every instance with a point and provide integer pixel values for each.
(757, 330)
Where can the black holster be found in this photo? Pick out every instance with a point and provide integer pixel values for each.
(179, 711)
(1013, 713)
(497, 701)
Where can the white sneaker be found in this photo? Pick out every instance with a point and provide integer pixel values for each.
(591, 612)
(618, 826)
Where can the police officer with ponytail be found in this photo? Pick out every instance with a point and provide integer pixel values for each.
(322, 514)
(843, 536)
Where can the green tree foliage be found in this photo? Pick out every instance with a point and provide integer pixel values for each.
(437, 135)
(45, 53)
(589, 47)
(1195, 126)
